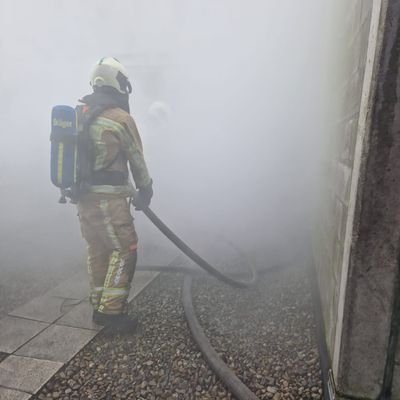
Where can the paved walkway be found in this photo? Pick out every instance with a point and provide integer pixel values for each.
(38, 338)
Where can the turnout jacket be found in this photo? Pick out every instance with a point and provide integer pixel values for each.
(116, 144)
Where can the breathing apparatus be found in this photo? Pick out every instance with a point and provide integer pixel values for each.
(70, 142)
(64, 151)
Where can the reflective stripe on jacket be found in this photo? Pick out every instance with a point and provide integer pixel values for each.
(117, 144)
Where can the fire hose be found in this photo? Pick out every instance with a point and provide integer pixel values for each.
(227, 376)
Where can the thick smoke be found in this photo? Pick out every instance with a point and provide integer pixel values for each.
(226, 95)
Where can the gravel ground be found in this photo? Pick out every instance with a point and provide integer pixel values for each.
(265, 334)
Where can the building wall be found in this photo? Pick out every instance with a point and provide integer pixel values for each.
(357, 244)
(373, 270)
(350, 32)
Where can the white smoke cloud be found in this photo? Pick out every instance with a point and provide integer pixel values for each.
(236, 151)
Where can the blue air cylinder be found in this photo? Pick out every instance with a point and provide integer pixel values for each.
(63, 147)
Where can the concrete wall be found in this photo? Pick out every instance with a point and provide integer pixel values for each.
(374, 258)
(350, 33)
(357, 243)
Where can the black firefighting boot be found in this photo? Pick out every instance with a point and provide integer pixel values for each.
(120, 323)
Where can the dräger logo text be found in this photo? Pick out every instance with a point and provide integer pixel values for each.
(61, 123)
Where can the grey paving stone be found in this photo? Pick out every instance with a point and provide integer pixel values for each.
(140, 281)
(76, 287)
(57, 343)
(10, 394)
(26, 374)
(80, 317)
(44, 308)
(14, 332)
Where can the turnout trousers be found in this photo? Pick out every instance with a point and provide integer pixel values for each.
(107, 226)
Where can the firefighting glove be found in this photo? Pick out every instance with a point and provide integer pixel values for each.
(143, 197)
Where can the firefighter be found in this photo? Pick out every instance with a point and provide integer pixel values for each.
(110, 148)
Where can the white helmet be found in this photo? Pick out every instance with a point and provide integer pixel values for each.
(108, 71)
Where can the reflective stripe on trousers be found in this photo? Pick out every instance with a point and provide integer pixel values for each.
(107, 226)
